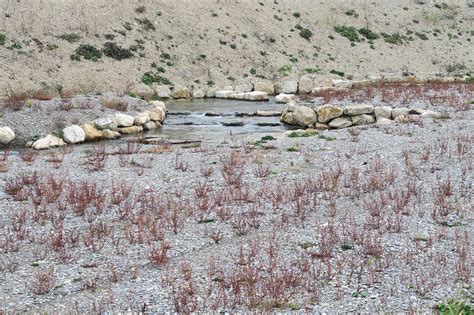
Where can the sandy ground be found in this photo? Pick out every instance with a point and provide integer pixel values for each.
(227, 42)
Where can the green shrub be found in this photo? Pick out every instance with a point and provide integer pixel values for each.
(233, 46)
(352, 13)
(285, 70)
(368, 34)
(70, 37)
(146, 24)
(211, 83)
(312, 70)
(292, 149)
(116, 52)
(89, 52)
(454, 307)
(140, 9)
(306, 33)
(395, 39)
(339, 73)
(302, 134)
(296, 14)
(149, 78)
(165, 56)
(421, 36)
(349, 32)
(2, 39)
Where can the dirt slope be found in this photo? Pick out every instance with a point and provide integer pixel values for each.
(198, 43)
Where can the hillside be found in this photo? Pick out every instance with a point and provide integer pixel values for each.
(216, 43)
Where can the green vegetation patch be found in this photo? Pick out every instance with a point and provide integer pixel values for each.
(116, 52)
(370, 35)
(454, 307)
(88, 52)
(395, 39)
(150, 77)
(285, 70)
(2, 39)
(302, 134)
(70, 37)
(146, 24)
(306, 33)
(349, 32)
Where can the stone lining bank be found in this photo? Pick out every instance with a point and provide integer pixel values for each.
(106, 128)
(330, 116)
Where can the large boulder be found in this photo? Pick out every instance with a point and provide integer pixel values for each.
(181, 92)
(358, 109)
(340, 122)
(341, 84)
(141, 119)
(284, 98)
(244, 88)
(142, 90)
(74, 134)
(383, 112)
(91, 133)
(159, 104)
(124, 120)
(156, 114)
(264, 86)
(328, 112)
(224, 94)
(130, 130)
(162, 91)
(306, 85)
(362, 119)
(47, 142)
(105, 123)
(402, 111)
(151, 125)
(431, 114)
(110, 134)
(199, 94)
(300, 116)
(6, 135)
(289, 87)
(250, 96)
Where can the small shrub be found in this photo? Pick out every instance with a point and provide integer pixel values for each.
(421, 36)
(395, 39)
(292, 149)
(211, 83)
(116, 52)
(312, 70)
(89, 52)
(165, 56)
(454, 307)
(302, 134)
(70, 37)
(149, 78)
(146, 24)
(2, 39)
(233, 46)
(336, 72)
(140, 9)
(349, 32)
(368, 34)
(306, 33)
(285, 70)
(296, 14)
(352, 13)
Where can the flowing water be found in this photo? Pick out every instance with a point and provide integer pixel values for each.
(214, 120)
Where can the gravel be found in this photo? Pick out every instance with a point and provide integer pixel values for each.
(376, 265)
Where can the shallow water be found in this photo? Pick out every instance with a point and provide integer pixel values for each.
(188, 119)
